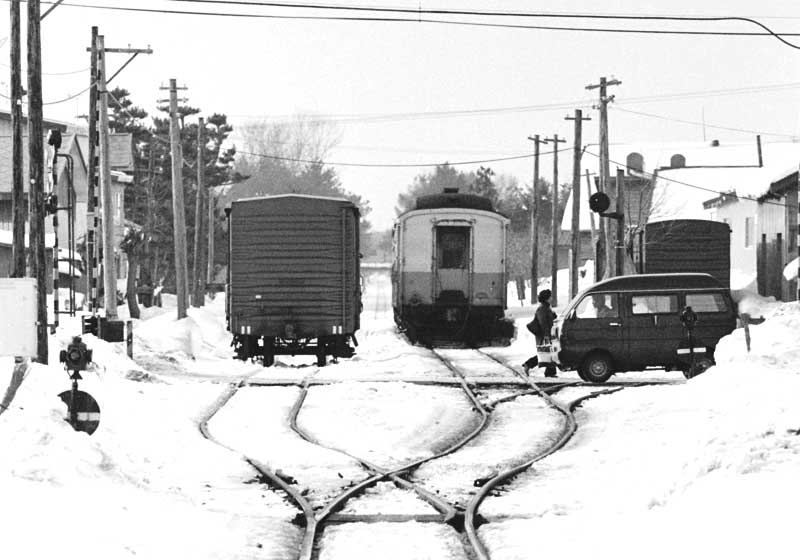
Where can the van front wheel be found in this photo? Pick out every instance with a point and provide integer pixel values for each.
(596, 368)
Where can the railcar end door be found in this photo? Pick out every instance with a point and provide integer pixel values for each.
(452, 262)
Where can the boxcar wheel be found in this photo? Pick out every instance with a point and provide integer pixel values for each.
(597, 367)
(269, 352)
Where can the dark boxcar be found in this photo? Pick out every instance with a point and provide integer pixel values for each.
(685, 246)
(293, 277)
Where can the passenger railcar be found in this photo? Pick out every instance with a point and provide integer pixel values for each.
(449, 270)
(293, 283)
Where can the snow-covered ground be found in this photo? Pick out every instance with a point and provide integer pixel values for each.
(707, 468)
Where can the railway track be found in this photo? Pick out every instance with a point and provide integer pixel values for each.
(448, 483)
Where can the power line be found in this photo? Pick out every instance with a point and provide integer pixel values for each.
(68, 73)
(71, 97)
(517, 14)
(719, 127)
(347, 118)
(395, 165)
(419, 19)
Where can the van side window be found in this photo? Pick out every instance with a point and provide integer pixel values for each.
(654, 303)
(707, 303)
(597, 306)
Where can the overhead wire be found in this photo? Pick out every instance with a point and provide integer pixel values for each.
(697, 123)
(399, 165)
(587, 102)
(474, 13)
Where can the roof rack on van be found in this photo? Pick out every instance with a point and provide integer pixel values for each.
(674, 280)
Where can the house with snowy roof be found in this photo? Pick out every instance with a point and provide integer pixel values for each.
(776, 236)
(716, 181)
(64, 174)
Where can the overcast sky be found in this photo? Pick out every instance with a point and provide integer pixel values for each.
(255, 67)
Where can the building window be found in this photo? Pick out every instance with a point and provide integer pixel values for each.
(748, 232)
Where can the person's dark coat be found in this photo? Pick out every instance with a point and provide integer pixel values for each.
(545, 316)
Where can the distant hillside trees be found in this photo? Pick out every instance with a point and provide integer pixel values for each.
(148, 202)
(288, 157)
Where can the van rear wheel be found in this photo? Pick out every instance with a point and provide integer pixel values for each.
(596, 368)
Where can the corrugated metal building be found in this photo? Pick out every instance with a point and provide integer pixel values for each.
(777, 237)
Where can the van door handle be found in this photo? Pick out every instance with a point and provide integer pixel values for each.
(615, 324)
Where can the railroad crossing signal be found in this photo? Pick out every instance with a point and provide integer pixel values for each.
(84, 412)
(599, 202)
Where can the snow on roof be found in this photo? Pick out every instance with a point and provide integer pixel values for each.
(679, 193)
(747, 181)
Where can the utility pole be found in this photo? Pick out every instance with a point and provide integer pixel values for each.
(575, 245)
(591, 215)
(620, 237)
(604, 171)
(17, 187)
(535, 221)
(554, 261)
(198, 274)
(210, 257)
(106, 201)
(98, 118)
(92, 221)
(148, 219)
(179, 229)
(36, 174)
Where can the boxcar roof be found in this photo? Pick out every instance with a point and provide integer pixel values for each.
(293, 195)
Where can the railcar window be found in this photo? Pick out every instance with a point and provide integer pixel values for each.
(453, 244)
(654, 303)
(706, 303)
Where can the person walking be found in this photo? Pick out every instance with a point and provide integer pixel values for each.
(541, 326)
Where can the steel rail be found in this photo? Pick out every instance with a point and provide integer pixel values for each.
(568, 429)
(272, 478)
(450, 513)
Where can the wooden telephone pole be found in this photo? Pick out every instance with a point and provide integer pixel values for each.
(36, 174)
(575, 245)
(17, 187)
(109, 262)
(179, 229)
(92, 219)
(535, 221)
(100, 173)
(554, 262)
(619, 241)
(604, 171)
(198, 274)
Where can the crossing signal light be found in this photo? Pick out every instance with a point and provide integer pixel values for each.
(599, 202)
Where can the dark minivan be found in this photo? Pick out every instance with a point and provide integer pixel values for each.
(630, 323)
